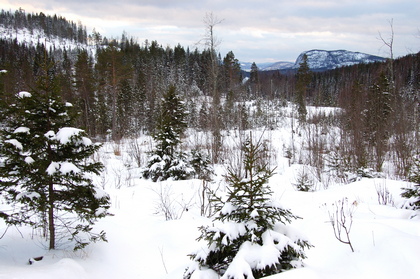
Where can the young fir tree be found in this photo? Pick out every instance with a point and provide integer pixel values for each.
(248, 237)
(166, 161)
(46, 167)
(413, 193)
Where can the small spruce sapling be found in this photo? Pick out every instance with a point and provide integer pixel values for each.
(413, 192)
(249, 235)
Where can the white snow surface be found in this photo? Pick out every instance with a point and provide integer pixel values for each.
(142, 244)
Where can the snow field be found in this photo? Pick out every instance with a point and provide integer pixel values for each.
(142, 244)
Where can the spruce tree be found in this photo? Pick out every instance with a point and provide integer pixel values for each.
(413, 193)
(377, 116)
(248, 237)
(303, 76)
(46, 167)
(166, 161)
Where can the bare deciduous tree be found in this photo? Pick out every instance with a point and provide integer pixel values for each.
(212, 43)
(341, 217)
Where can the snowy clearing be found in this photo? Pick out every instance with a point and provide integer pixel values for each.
(142, 244)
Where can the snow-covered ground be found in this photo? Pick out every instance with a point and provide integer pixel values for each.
(142, 244)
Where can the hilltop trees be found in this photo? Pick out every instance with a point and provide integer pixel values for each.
(46, 167)
(51, 26)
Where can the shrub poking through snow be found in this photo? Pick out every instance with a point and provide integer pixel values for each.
(341, 218)
(249, 236)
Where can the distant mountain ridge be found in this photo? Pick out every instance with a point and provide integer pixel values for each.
(320, 60)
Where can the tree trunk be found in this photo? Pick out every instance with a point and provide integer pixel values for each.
(51, 226)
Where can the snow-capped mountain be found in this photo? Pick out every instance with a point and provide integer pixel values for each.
(321, 60)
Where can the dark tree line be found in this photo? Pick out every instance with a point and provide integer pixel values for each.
(118, 90)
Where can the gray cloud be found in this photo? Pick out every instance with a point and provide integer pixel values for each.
(254, 30)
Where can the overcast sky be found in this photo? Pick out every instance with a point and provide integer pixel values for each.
(255, 30)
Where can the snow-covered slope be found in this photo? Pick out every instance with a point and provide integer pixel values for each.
(32, 38)
(321, 60)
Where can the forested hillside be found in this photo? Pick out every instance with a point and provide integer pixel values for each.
(117, 85)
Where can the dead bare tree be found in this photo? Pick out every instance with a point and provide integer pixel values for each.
(212, 43)
(389, 43)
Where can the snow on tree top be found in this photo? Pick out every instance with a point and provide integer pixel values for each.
(24, 94)
(15, 142)
(23, 130)
(100, 194)
(29, 160)
(228, 208)
(64, 135)
(62, 167)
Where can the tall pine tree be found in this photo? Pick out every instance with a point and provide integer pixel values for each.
(303, 76)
